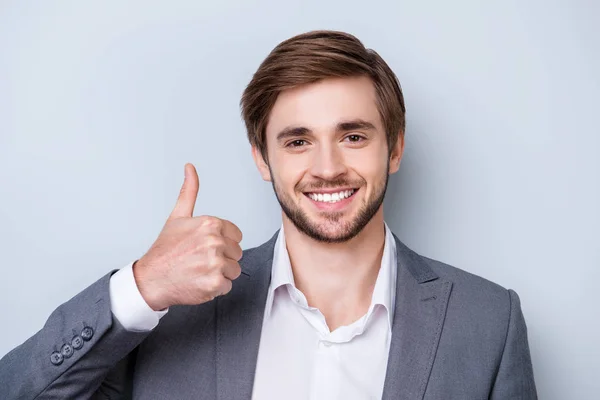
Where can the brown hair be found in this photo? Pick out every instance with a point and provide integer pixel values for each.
(311, 57)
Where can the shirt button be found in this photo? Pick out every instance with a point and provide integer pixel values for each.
(87, 333)
(56, 358)
(325, 343)
(77, 342)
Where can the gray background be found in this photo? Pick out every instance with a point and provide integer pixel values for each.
(101, 104)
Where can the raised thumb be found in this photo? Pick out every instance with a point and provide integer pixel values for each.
(188, 194)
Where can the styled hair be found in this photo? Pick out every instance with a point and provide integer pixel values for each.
(309, 58)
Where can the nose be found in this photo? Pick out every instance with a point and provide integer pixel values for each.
(328, 162)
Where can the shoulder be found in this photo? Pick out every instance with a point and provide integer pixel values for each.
(476, 304)
(471, 288)
(465, 281)
(469, 292)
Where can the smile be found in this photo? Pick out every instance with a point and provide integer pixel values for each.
(331, 197)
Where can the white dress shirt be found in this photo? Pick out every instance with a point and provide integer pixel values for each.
(299, 357)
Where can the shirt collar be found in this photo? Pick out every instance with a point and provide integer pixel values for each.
(281, 272)
(384, 292)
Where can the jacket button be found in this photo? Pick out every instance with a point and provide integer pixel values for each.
(66, 350)
(56, 358)
(77, 342)
(87, 333)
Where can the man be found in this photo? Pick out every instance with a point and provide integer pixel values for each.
(333, 306)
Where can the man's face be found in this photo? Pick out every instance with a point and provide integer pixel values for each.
(328, 157)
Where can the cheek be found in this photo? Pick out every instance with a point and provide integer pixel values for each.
(289, 171)
(371, 164)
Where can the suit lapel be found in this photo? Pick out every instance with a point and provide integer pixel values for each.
(239, 324)
(420, 309)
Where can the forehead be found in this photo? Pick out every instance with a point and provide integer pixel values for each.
(321, 105)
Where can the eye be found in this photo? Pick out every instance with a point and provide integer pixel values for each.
(354, 138)
(296, 143)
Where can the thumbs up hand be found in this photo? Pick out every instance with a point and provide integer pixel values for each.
(194, 259)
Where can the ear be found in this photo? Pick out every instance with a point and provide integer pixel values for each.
(396, 154)
(262, 166)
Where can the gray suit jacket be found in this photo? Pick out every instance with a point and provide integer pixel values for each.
(454, 336)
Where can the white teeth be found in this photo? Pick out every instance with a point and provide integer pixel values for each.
(331, 197)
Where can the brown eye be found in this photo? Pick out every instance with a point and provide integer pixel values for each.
(296, 143)
(354, 138)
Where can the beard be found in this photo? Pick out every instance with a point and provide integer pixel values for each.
(343, 231)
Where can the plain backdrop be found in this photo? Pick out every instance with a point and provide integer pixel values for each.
(102, 104)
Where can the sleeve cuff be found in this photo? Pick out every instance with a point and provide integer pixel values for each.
(127, 304)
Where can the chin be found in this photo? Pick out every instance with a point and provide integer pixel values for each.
(328, 231)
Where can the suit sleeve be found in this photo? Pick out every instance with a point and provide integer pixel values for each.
(514, 379)
(80, 345)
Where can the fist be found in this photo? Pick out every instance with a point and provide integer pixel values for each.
(194, 259)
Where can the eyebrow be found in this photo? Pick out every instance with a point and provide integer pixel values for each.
(344, 126)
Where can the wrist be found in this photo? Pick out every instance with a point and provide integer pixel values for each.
(150, 295)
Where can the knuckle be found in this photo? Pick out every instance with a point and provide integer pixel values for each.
(213, 284)
(214, 242)
(203, 219)
(206, 221)
(216, 263)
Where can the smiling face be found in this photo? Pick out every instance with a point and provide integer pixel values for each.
(328, 157)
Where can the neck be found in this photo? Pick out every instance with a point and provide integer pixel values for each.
(337, 278)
